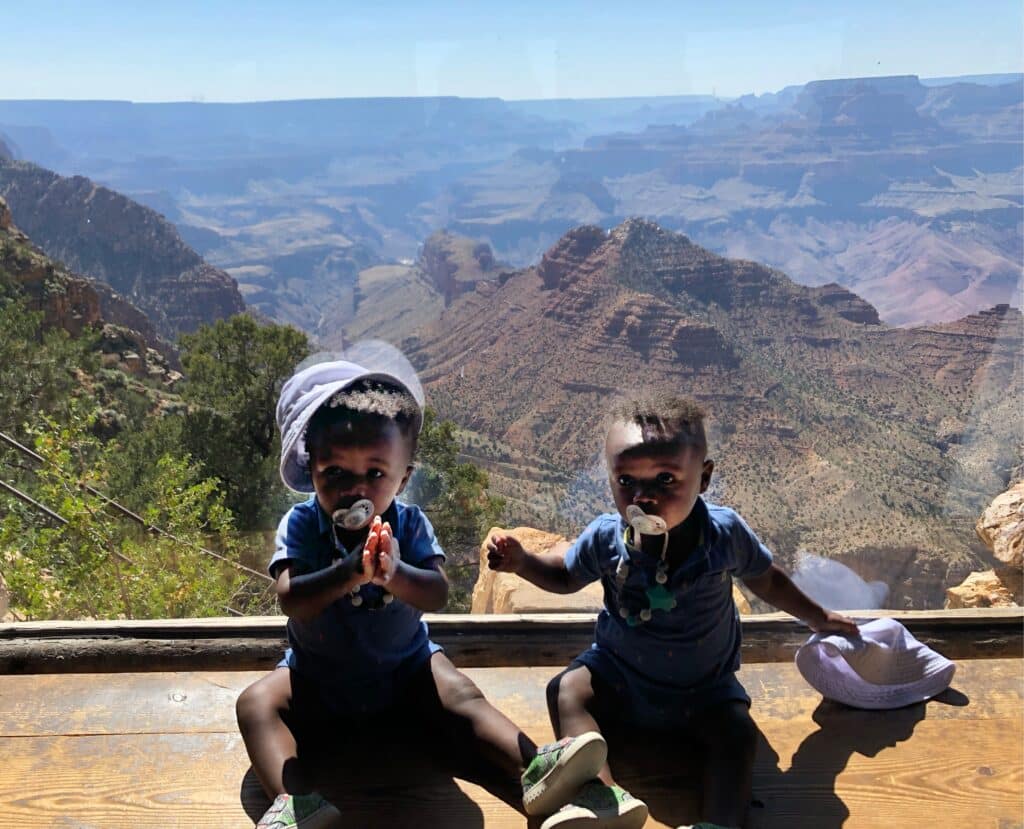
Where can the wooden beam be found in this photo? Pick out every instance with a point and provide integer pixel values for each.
(548, 639)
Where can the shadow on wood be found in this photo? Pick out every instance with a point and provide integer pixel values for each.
(661, 768)
(162, 750)
(808, 786)
(664, 768)
(379, 777)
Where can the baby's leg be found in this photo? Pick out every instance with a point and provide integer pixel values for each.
(575, 700)
(729, 736)
(495, 735)
(551, 776)
(271, 745)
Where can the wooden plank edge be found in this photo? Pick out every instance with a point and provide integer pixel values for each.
(472, 641)
(260, 625)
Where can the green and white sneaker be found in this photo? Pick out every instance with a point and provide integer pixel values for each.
(299, 811)
(559, 769)
(598, 806)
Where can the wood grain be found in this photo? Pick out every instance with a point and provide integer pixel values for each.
(161, 750)
(203, 702)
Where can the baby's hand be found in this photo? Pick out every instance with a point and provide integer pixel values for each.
(505, 554)
(833, 622)
(388, 555)
(371, 551)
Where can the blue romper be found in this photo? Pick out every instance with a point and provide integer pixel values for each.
(360, 657)
(686, 656)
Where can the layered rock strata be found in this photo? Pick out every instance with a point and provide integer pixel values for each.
(110, 238)
(832, 432)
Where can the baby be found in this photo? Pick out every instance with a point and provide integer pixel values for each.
(354, 571)
(667, 643)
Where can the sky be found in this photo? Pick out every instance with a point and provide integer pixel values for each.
(223, 51)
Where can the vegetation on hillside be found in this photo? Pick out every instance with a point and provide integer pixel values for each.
(454, 495)
(98, 565)
(199, 463)
(96, 430)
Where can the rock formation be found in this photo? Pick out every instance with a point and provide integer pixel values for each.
(110, 238)
(832, 432)
(993, 588)
(847, 304)
(1001, 527)
(74, 303)
(565, 260)
(455, 264)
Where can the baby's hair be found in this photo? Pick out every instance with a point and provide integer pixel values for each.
(363, 407)
(663, 417)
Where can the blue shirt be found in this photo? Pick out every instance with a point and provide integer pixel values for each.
(361, 649)
(696, 642)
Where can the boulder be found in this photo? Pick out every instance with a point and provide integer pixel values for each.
(742, 604)
(508, 593)
(994, 588)
(132, 362)
(1001, 526)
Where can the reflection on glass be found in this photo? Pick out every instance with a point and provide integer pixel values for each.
(826, 255)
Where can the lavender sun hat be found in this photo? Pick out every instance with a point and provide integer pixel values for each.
(885, 667)
(316, 381)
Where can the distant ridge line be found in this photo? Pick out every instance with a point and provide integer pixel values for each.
(985, 79)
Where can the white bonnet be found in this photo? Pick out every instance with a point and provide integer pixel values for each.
(884, 667)
(305, 392)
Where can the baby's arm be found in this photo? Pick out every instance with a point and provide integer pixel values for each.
(776, 588)
(424, 585)
(305, 596)
(546, 570)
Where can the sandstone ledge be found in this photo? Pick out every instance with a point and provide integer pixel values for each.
(1001, 527)
(993, 588)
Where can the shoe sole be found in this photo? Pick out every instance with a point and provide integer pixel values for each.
(633, 816)
(579, 763)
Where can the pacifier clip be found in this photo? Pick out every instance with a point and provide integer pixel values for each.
(658, 597)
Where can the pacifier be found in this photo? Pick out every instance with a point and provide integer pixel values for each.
(643, 523)
(354, 517)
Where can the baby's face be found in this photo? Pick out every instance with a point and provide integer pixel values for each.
(376, 467)
(662, 479)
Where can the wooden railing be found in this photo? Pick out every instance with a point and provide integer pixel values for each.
(471, 640)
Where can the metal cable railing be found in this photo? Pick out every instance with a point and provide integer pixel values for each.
(138, 519)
